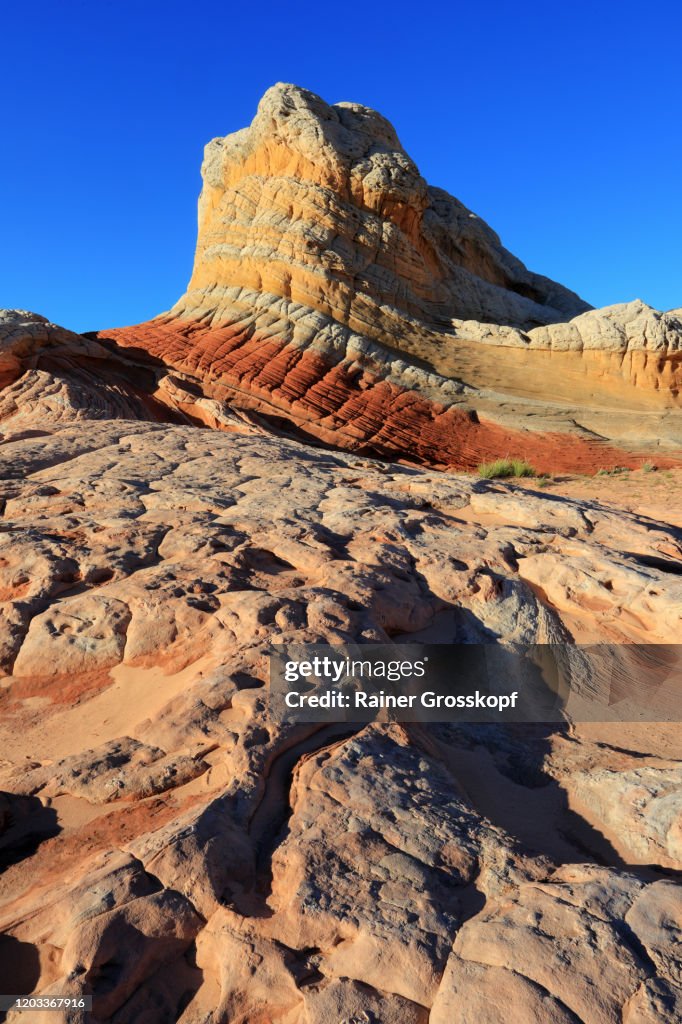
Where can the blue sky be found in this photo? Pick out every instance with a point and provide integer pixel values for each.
(559, 124)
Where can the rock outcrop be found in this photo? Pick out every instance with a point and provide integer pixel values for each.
(49, 374)
(167, 844)
(170, 848)
(321, 205)
(52, 375)
(334, 290)
(339, 298)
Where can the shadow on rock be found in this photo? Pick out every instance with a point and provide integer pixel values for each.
(19, 968)
(501, 770)
(24, 824)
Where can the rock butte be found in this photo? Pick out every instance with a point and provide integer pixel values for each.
(337, 296)
(164, 844)
(334, 289)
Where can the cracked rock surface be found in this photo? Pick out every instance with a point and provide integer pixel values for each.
(171, 849)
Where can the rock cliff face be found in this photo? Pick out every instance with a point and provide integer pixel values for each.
(234, 381)
(322, 206)
(335, 291)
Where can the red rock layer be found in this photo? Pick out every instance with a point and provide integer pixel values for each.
(349, 408)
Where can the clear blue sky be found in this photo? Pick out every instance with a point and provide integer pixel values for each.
(560, 124)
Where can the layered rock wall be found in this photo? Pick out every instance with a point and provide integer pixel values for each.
(332, 285)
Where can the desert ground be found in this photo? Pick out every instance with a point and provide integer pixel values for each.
(293, 454)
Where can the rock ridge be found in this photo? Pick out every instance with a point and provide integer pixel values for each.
(316, 231)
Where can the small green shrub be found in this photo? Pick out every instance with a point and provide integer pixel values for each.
(648, 467)
(505, 468)
(614, 471)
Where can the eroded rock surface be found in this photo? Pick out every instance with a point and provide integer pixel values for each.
(339, 298)
(336, 290)
(166, 845)
(322, 205)
(171, 849)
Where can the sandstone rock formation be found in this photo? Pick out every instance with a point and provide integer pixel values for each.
(53, 375)
(170, 848)
(335, 290)
(338, 297)
(321, 205)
